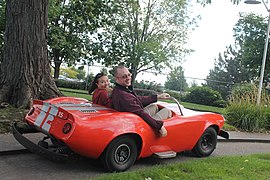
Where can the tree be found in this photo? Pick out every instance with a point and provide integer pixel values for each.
(145, 35)
(70, 25)
(25, 69)
(72, 72)
(176, 80)
(228, 70)
(250, 35)
(2, 27)
(204, 2)
(152, 85)
(241, 61)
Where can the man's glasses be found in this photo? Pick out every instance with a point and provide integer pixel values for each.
(126, 76)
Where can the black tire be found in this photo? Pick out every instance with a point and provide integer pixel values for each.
(120, 154)
(206, 144)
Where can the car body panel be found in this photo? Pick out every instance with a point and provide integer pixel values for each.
(93, 127)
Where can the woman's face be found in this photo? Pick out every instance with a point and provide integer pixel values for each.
(103, 82)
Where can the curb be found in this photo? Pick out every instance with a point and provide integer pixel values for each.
(14, 152)
(245, 140)
(24, 151)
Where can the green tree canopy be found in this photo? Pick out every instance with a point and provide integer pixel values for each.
(250, 35)
(241, 62)
(176, 80)
(70, 25)
(145, 35)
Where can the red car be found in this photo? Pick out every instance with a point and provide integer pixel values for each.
(118, 139)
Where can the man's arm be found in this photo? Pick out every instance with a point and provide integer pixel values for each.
(131, 103)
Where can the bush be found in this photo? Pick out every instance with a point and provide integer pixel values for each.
(248, 116)
(174, 94)
(244, 113)
(70, 84)
(145, 92)
(204, 95)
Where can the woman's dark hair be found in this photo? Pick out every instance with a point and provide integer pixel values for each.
(94, 82)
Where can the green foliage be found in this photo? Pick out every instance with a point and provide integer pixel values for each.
(70, 84)
(81, 72)
(248, 116)
(70, 25)
(247, 93)
(206, 2)
(69, 72)
(72, 72)
(244, 92)
(250, 34)
(176, 80)
(204, 95)
(145, 35)
(227, 71)
(242, 111)
(89, 78)
(148, 85)
(241, 61)
(176, 94)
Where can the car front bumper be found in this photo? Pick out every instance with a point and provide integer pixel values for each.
(224, 134)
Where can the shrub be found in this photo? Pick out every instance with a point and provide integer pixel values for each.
(248, 116)
(243, 112)
(70, 84)
(204, 95)
(175, 94)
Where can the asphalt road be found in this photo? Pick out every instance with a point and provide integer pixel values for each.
(31, 166)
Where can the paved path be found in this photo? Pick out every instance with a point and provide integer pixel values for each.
(31, 166)
(9, 143)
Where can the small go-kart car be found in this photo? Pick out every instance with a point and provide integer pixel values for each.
(76, 126)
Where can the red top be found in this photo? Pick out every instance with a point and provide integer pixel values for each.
(101, 97)
(125, 99)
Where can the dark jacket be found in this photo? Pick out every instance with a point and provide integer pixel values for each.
(125, 99)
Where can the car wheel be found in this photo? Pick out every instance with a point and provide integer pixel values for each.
(206, 144)
(120, 155)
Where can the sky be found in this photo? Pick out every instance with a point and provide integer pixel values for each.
(213, 34)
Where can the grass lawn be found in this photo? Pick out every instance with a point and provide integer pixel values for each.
(76, 93)
(230, 167)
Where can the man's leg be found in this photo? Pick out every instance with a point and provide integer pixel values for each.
(163, 114)
(151, 109)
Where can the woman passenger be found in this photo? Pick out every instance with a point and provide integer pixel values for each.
(101, 90)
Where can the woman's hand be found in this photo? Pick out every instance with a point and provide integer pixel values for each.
(109, 90)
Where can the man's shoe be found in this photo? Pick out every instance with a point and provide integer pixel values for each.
(163, 132)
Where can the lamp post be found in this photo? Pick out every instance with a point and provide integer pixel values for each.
(265, 48)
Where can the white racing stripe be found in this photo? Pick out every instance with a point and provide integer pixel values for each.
(42, 114)
(43, 122)
(47, 124)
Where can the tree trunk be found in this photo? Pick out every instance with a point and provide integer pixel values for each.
(57, 63)
(25, 70)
